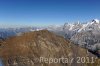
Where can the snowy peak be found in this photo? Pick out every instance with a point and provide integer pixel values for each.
(96, 21)
(77, 26)
(71, 29)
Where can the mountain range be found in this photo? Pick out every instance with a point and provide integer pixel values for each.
(85, 35)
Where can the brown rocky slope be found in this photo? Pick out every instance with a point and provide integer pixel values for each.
(29, 48)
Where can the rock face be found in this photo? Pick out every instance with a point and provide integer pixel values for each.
(89, 40)
(38, 47)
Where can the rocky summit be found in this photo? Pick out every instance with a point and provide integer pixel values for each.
(43, 48)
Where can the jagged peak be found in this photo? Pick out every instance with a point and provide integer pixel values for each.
(95, 21)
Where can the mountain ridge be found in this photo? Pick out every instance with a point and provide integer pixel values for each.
(23, 50)
(86, 35)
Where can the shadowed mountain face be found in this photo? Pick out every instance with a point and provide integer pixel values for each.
(38, 47)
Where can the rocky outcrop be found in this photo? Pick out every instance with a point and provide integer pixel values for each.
(42, 48)
(89, 40)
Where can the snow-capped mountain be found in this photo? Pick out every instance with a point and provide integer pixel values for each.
(88, 36)
(93, 25)
(85, 35)
(71, 29)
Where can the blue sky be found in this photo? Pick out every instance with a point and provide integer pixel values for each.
(47, 12)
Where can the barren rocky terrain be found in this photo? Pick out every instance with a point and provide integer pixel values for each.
(28, 48)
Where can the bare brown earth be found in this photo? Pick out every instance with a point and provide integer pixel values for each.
(26, 50)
